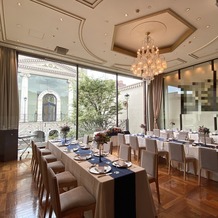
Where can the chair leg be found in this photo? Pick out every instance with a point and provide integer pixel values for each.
(158, 192)
(169, 168)
(46, 204)
(185, 164)
(199, 177)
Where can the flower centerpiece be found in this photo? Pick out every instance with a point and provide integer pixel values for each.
(143, 126)
(113, 131)
(64, 131)
(172, 124)
(100, 138)
(203, 131)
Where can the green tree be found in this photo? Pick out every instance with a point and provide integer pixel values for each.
(97, 104)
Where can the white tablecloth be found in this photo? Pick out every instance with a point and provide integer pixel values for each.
(103, 188)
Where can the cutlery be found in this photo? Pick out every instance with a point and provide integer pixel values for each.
(107, 174)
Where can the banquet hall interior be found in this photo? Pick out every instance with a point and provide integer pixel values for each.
(108, 109)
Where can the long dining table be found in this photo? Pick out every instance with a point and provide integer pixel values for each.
(124, 192)
(190, 150)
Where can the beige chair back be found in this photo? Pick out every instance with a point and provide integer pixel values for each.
(170, 133)
(176, 152)
(149, 163)
(164, 135)
(182, 136)
(85, 139)
(208, 159)
(156, 132)
(151, 145)
(54, 191)
(107, 147)
(133, 141)
(125, 152)
(121, 139)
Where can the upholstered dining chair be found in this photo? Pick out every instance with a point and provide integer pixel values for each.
(151, 145)
(206, 139)
(37, 152)
(133, 141)
(85, 139)
(177, 154)
(125, 152)
(182, 135)
(107, 147)
(34, 161)
(208, 160)
(149, 163)
(170, 133)
(73, 202)
(53, 163)
(64, 179)
(156, 132)
(121, 139)
(164, 135)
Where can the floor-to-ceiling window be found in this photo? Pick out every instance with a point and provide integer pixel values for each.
(96, 101)
(191, 98)
(46, 94)
(131, 94)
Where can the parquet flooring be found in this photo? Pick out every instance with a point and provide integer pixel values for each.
(179, 198)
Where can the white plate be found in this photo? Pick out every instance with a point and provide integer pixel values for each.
(125, 164)
(100, 169)
(83, 157)
(70, 150)
(104, 154)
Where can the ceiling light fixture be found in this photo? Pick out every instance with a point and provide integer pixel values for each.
(148, 62)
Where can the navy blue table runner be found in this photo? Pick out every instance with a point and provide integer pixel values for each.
(124, 186)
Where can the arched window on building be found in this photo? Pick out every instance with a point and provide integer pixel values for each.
(49, 108)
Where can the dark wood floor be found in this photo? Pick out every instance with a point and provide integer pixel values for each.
(179, 198)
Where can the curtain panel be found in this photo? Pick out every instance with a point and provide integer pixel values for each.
(157, 89)
(9, 101)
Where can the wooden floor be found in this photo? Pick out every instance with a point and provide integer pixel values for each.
(179, 198)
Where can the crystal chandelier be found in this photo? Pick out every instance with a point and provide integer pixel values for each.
(148, 62)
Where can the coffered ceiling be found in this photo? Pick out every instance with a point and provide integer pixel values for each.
(106, 34)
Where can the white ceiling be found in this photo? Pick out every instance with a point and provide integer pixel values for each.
(92, 29)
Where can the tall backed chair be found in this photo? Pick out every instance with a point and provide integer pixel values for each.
(182, 136)
(73, 202)
(133, 141)
(125, 152)
(64, 179)
(177, 154)
(156, 132)
(39, 136)
(208, 160)
(149, 163)
(34, 161)
(85, 139)
(151, 145)
(170, 133)
(107, 147)
(164, 135)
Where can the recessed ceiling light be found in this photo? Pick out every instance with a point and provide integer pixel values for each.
(199, 18)
(194, 37)
(187, 9)
(61, 19)
(208, 26)
(19, 4)
(105, 34)
(126, 15)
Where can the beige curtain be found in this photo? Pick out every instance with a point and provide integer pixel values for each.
(157, 88)
(9, 103)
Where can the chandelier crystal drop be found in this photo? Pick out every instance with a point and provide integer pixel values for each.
(148, 62)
